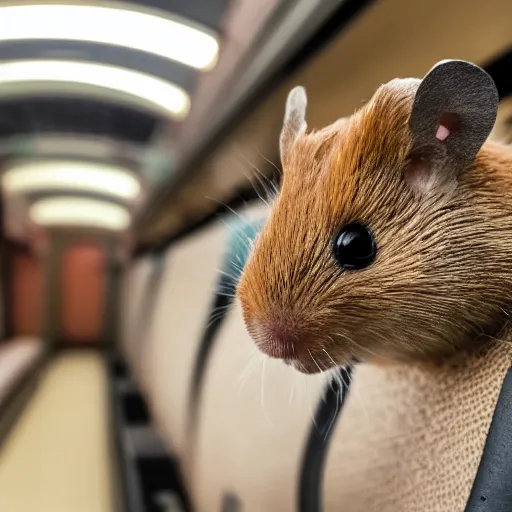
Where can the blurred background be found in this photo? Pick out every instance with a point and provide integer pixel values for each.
(129, 133)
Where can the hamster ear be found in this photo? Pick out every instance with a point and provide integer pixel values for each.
(294, 119)
(453, 113)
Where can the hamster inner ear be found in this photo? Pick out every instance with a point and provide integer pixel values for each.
(424, 172)
(429, 168)
(448, 125)
(418, 174)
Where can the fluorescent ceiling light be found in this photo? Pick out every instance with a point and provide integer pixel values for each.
(176, 40)
(66, 175)
(161, 94)
(79, 212)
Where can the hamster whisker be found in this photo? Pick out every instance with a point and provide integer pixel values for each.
(312, 411)
(266, 179)
(252, 363)
(228, 275)
(227, 293)
(504, 311)
(314, 361)
(355, 344)
(299, 381)
(501, 341)
(219, 309)
(260, 196)
(215, 317)
(235, 265)
(333, 376)
(290, 399)
(241, 236)
(330, 357)
(234, 212)
(270, 162)
(263, 393)
(334, 416)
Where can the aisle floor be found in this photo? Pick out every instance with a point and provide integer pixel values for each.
(57, 459)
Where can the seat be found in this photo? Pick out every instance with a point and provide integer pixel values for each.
(411, 439)
(20, 359)
(182, 303)
(135, 281)
(17, 357)
(185, 297)
(253, 421)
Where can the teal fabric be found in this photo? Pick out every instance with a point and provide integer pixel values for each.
(241, 234)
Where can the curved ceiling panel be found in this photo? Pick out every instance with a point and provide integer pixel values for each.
(54, 114)
(52, 175)
(33, 77)
(113, 24)
(79, 212)
(75, 146)
(31, 198)
(78, 51)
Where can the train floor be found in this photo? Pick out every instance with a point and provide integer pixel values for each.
(57, 459)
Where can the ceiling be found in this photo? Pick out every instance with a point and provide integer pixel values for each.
(106, 83)
(186, 96)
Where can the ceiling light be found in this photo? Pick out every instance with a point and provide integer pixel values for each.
(66, 175)
(155, 91)
(173, 39)
(79, 212)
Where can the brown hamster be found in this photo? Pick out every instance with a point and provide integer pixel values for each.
(391, 236)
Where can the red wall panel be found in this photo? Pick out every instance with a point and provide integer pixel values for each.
(83, 289)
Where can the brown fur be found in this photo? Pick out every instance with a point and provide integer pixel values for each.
(442, 278)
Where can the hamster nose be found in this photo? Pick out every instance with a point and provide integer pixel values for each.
(278, 339)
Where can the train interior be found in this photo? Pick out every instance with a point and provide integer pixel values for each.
(139, 147)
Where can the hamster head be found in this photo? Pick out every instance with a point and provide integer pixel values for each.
(391, 237)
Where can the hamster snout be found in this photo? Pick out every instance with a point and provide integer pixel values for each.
(278, 338)
(284, 338)
(391, 236)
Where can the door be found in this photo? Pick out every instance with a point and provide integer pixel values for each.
(83, 293)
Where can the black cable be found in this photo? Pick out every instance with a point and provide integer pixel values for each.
(218, 311)
(326, 416)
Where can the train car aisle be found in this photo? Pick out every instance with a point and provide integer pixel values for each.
(57, 459)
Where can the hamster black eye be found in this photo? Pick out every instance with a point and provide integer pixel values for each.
(354, 247)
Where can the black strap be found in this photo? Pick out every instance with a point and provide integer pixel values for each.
(327, 413)
(492, 488)
(218, 311)
(148, 301)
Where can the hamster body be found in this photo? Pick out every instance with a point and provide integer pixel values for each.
(391, 236)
